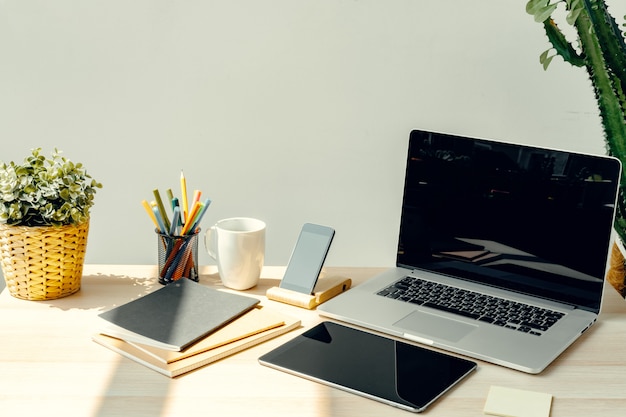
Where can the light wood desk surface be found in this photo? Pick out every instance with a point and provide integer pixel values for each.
(50, 367)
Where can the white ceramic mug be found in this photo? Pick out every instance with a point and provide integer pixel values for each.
(238, 246)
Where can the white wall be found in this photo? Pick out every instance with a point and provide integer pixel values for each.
(286, 110)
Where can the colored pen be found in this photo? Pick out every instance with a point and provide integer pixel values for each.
(190, 221)
(170, 194)
(155, 209)
(203, 210)
(175, 220)
(175, 204)
(166, 220)
(148, 208)
(196, 196)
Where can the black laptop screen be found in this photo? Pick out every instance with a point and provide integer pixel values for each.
(532, 220)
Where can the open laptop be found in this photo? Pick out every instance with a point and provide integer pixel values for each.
(502, 251)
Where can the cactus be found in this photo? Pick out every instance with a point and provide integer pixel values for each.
(601, 50)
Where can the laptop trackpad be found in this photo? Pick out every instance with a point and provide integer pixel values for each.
(434, 325)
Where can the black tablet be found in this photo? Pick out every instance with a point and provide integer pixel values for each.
(397, 373)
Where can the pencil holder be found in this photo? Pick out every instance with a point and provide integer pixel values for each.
(178, 257)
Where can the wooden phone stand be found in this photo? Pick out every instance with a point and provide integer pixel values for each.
(325, 289)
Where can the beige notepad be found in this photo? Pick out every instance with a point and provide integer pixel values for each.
(253, 322)
(511, 402)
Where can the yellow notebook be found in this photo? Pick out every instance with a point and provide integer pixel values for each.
(255, 327)
(253, 322)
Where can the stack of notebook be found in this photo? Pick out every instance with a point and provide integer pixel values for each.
(185, 325)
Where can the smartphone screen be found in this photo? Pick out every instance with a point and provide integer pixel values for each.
(307, 258)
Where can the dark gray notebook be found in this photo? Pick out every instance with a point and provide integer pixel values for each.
(175, 316)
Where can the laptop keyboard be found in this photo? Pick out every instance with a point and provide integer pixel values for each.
(498, 311)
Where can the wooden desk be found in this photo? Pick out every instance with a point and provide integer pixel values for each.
(50, 367)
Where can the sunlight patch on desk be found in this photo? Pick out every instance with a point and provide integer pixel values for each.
(104, 386)
(128, 381)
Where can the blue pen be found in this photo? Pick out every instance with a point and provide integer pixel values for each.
(175, 219)
(157, 214)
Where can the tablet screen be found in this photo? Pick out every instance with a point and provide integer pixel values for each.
(377, 367)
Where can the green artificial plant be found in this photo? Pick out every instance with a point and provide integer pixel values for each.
(601, 50)
(45, 191)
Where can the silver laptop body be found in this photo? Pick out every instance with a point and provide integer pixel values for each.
(499, 229)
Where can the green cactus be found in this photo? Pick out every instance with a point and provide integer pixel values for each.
(601, 49)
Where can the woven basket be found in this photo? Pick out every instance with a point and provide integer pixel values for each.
(616, 275)
(44, 262)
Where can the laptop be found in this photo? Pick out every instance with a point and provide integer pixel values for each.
(502, 251)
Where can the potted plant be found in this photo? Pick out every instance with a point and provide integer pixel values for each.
(44, 221)
(599, 47)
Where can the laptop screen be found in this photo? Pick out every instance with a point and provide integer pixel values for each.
(531, 220)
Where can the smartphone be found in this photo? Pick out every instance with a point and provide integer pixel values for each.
(307, 258)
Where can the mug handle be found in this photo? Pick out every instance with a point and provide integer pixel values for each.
(210, 242)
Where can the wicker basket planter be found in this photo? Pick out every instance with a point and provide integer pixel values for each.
(44, 262)
(616, 275)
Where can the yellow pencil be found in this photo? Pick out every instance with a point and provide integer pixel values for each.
(183, 190)
(148, 208)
